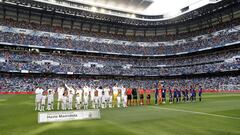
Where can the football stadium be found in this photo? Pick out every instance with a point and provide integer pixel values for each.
(120, 67)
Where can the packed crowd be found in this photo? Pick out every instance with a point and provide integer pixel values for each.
(110, 70)
(27, 61)
(11, 83)
(219, 40)
(47, 41)
(76, 31)
(74, 59)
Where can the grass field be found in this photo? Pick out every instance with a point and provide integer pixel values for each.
(218, 114)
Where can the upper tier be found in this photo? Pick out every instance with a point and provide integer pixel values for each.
(42, 39)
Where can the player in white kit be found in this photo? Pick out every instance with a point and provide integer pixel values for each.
(123, 91)
(78, 101)
(43, 101)
(79, 95)
(100, 89)
(64, 100)
(96, 99)
(110, 98)
(119, 96)
(50, 99)
(102, 98)
(115, 94)
(60, 92)
(70, 100)
(92, 90)
(71, 93)
(124, 100)
(105, 97)
(86, 91)
(38, 98)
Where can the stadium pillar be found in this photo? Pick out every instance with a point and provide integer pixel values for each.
(17, 12)
(90, 27)
(177, 30)
(81, 26)
(231, 14)
(72, 24)
(155, 33)
(51, 20)
(29, 15)
(99, 28)
(166, 29)
(62, 23)
(4, 12)
(41, 19)
(116, 30)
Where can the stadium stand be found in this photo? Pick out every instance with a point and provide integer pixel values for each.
(33, 53)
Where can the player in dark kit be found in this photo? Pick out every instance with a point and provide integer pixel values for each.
(129, 97)
(191, 93)
(179, 95)
(141, 95)
(170, 95)
(194, 94)
(134, 94)
(200, 93)
(163, 95)
(156, 93)
(148, 93)
(184, 95)
(175, 95)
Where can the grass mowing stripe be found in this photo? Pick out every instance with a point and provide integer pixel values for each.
(17, 116)
(194, 112)
(44, 128)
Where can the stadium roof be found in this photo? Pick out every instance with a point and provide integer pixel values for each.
(146, 10)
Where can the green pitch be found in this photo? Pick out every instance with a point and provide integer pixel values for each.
(217, 114)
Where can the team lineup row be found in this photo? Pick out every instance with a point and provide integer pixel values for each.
(106, 97)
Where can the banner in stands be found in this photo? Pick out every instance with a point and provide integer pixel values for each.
(44, 117)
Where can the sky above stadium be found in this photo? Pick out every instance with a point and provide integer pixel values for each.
(156, 7)
(163, 6)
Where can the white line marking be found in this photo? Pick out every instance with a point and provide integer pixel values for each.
(194, 112)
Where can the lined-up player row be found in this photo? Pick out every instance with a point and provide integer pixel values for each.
(91, 96)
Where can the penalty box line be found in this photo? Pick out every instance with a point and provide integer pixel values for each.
(195, 112)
